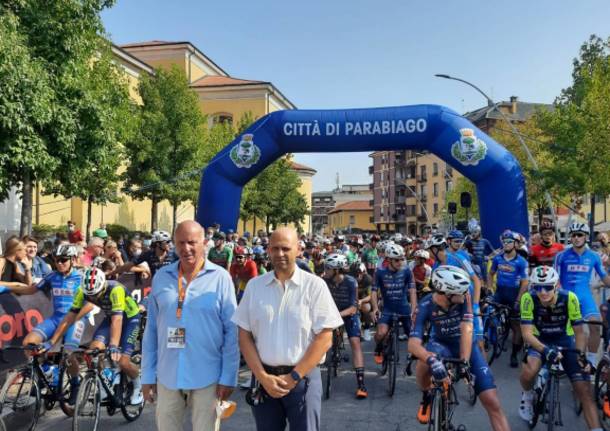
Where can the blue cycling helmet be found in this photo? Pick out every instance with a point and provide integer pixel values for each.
(509, 234)
(455, 234)
(258, 250)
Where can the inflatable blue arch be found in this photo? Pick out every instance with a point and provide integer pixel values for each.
(443, 132)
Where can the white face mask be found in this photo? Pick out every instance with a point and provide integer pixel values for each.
(137, 252)
(147, 242)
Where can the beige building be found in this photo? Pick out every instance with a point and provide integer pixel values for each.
(409, 190)
(351, 216)
(221, 97)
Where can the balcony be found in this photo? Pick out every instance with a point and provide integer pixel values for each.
(422, 178)
(371, 170)
(422, 218)
(412, 162)
(423, 198)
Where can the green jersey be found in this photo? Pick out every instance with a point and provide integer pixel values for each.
(222, 257)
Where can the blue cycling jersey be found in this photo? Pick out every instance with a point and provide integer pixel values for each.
(444, 324)
(509, 272)
(63, 288)
(575, 270)
(394, 287)
(459, 259)
(479, 248)
(345, 293)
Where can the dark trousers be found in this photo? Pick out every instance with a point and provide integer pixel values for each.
(300, 408)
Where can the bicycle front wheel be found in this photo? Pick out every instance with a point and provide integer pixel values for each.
(393, 363)
(601, 388)
(87, 408)
(131, 412)
(553, 404)
(20, 401)
(436, 412)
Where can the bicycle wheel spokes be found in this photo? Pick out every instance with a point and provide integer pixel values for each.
(601, 388)
(87, 407)
(20, 401)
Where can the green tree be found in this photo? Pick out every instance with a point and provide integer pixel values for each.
(168, 148)
(577, 128)
(49, 49)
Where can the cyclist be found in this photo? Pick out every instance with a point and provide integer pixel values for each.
(511, 283)
(449, 253)
(574, 266)
(421, 272)
(369, 255)
(448, 311)
(119, 330)
(395, 283)
(478, 247)
(545, 252)
(150, 261)
(63, 285)
(221, 254)
(242, 270)
(365, 284)
(551, 319)
(344, 290)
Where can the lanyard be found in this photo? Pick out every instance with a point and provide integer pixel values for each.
(181, 290)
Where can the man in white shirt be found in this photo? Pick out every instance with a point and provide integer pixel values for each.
(285, 320)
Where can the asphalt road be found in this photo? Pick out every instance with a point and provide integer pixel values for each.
(377, 412)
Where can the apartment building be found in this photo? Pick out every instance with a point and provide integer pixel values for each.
(324, 202)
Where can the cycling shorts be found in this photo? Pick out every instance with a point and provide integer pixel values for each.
(352, 325)
(129, 333)
(72, 337)
(588, 306)
(569, 362)
(483, 378)
(386, 319)
(508, 296)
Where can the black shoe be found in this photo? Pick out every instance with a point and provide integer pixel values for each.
(514, 362)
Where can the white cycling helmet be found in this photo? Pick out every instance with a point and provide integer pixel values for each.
(394, 251)
(397, 237)
(450, 280)
(381, 245)
(544, 275)
(437, 240)
(422, 254)
(336, 261)
(160, 236)
(65, 250)
(94, 281)
(579, 227)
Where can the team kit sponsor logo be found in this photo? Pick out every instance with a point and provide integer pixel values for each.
(578, 268)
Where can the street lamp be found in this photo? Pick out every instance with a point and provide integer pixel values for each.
(494, 105)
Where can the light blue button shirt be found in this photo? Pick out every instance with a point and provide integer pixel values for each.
(211, 354)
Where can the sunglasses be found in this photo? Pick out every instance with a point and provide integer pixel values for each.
(543, 287)
(508, 241)
(240, 257)
(457, 241)
(62, 259)
(578, 235)
(397, 259)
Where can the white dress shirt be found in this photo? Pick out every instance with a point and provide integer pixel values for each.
(284, 322)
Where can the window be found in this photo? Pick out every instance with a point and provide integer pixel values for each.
(435, 190)
(422, 190)
(411, 210)
(435, 209)
(434, 169)
(222, 118)
(422, 170)
(449, 171)
(352, 219)
(448, 185)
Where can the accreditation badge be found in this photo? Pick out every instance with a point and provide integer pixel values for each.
(176, 338)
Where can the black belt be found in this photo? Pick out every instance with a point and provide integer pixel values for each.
(278, 370)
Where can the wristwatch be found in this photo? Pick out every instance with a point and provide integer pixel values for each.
(295, 376)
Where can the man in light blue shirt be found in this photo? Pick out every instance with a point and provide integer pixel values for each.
(190, 344)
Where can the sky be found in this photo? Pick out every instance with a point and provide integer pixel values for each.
(332, 54)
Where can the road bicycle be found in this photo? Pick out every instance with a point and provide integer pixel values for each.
(443, 396)
(602, 373)
(334, 358)
(28, 391)
(391, 353)
(102, 386)
(496, 326)
(546, 403)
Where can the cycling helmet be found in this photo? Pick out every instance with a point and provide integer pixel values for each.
(381, 245)
(65, 250)
(509, 234)
(394, 251)
(579, 227)
(256, 241)
(239, 251)
(450, 280)
(455, 234)
(547, 225)
(160, 236)
(473, 226)
(336, 261)
(397, 237)
(94, 281)
(326, 241)
(248, 251)
(437, 241)
(340, 238)
(258, 250)
(422, 254)
(406, 240)
(310, 244)
(544, 275)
